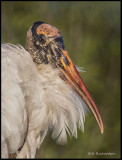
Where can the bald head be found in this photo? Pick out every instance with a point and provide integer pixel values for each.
(40, 41)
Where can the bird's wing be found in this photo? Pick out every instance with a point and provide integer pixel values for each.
(50, 103)
(14, 117)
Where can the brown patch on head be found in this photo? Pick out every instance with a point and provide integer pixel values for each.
(48, 30)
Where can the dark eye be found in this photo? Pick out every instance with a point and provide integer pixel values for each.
(59, 39)
(42, 38)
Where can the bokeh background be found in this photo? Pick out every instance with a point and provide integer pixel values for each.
(91, 33)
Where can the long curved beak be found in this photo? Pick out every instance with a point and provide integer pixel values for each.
(79, 86)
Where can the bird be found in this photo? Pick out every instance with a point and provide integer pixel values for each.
(42, 92)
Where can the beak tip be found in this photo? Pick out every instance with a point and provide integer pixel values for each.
(102, 129)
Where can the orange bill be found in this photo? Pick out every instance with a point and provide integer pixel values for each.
(79, 86)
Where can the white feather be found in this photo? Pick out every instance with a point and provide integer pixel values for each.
(35, 100)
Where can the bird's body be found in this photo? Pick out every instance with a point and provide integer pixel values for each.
(36, 98)
(39, 93)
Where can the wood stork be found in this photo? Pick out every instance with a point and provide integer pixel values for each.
(41, 91)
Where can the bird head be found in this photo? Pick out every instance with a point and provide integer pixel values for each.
(46, 45)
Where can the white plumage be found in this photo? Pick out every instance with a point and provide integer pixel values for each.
(39, 96)
(41, 91)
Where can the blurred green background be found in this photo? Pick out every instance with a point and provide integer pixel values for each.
(91, 33)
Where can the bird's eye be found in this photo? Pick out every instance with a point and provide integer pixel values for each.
(42, 39)
(59, 40)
